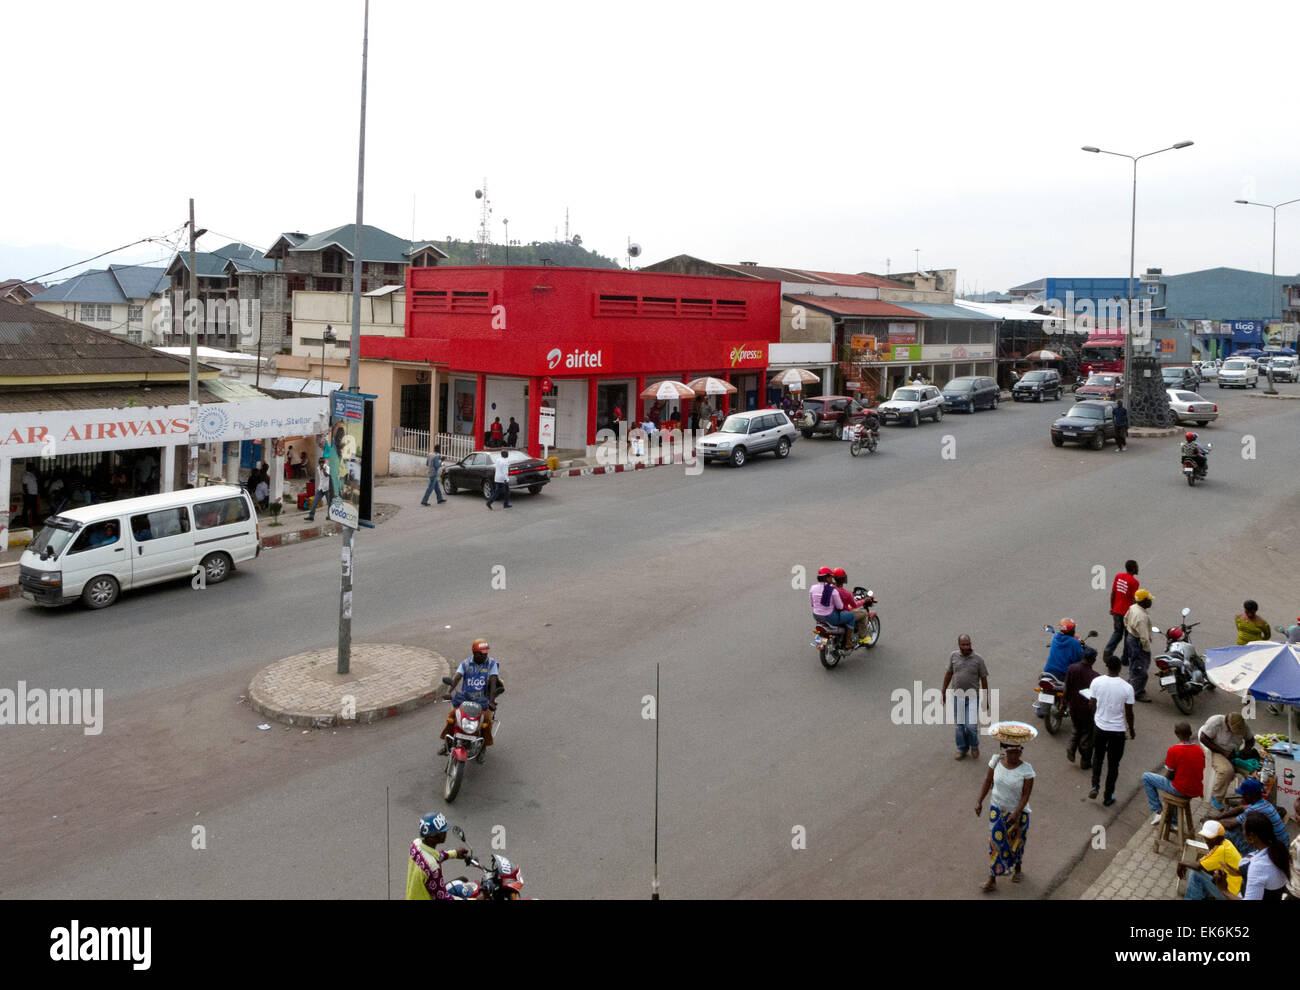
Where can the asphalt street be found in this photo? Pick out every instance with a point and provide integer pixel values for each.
(778, 778)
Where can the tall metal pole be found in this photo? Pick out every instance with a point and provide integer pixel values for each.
(193, 473)
(354, 357)
(1128, 319)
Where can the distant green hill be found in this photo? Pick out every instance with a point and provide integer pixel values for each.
(570, 254)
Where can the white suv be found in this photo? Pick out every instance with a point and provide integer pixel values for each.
(1239, 372)
(1286, 369)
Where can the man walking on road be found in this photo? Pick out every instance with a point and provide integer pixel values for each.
(324, 489)
(501, 477)
(966, 673)
(1137, 643)
(1121, 426)
(434, 464)
(1079, 676)
(1122, 590)
(1112, 708)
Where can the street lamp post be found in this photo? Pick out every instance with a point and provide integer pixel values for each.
(1272, 285)
(1132, 249)
(328, 337)
(507, 223)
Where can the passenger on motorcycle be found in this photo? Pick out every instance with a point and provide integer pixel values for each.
(848, 603)
(825, 600)
(480, 674)
(1065, 650)
(424, 868)
(1194, 450)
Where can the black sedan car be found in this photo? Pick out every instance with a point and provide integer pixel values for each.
(1091, 422)
(476, 472)
(970, 393)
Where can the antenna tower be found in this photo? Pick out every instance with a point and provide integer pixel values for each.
(484, 223)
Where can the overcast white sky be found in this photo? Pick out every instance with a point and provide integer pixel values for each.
(817, 134)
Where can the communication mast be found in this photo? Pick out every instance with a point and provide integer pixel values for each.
(484, 223)
(566, 225)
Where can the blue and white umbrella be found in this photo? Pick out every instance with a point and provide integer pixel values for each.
(1267, 670)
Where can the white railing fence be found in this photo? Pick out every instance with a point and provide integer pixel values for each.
(408, 441)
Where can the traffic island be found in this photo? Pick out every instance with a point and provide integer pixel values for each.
(1273, 395)
(384, 680)
(1153, 431)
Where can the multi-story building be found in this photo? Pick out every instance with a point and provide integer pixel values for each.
(126, 300)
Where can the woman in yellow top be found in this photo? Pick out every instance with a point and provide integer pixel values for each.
(1251, 627)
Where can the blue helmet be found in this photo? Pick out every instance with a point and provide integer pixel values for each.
(434, 823)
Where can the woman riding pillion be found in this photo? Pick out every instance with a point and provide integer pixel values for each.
(825, 600)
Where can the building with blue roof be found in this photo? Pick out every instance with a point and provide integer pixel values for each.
(120, 299)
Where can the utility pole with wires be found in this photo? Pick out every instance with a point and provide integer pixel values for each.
(192, 320)
(654, 883)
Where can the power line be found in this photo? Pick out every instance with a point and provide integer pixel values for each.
(161, 238)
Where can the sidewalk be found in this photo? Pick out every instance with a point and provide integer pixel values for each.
(1137, 873)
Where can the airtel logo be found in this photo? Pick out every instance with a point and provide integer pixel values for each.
(577, 359)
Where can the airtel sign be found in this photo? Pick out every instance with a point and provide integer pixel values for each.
(575, 359)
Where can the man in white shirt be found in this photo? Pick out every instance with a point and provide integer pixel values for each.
(31, 498)
(323, 486)
(1112, 708)
(501, 477)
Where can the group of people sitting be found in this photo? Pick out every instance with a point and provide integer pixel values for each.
(833, 602)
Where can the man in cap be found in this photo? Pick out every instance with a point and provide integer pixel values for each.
(1222, 735)
(1252, 794)
(1215, 868)
(481, 675)
(1137, 643)
(424, 868)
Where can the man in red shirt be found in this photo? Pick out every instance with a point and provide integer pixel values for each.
(1122, 590)
(1184, 768)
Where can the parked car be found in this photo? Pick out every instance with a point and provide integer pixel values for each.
(970, 393)
(1286, 369)
(476, 472)
(911, 404)
(1208, 370)
(1239, 373)
(1190, 407)
(1102, 385)
(744, 434)
(1091, 421)
(1179, 376)
(829, 415)
(1035, 386)
(1262, 362)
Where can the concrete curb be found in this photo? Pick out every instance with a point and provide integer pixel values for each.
(385, 680)
(1280, 395)
(1153, 431)
(268, 542)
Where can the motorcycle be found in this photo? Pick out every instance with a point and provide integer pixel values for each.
(467, 742)
(1051, 706)
(864, 436)
(833, 643)
(502, 879)
(1192, 471)
(1181, 668)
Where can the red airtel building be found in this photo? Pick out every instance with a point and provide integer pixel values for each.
(493, 335)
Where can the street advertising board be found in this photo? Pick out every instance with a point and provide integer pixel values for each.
(862, 347)
(1288, 780)
(351, 413)
(905, 352)
(546, 426)
(902, 333)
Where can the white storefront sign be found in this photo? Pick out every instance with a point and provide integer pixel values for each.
(956, 352)
(546, 426)
(54, 432)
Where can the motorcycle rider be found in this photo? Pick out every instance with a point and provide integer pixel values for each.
(849, 603)
(481, 675)
(424, 869)
(825, 600)
(1192, 449)
(1065, 650)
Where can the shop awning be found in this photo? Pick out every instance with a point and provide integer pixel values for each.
(840, 306)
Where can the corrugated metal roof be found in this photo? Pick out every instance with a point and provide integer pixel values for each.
(841, 306)
(376, 244)
(139, 282)
(95, 286)
(34, 343)
(53, 399)
(945, 311)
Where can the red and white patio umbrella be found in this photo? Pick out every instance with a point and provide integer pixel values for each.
(1043, 356)
(794, 377)
(712, 386)
(669, 390)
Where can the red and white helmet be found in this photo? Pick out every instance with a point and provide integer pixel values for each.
(1067, 627)
(1175, 634)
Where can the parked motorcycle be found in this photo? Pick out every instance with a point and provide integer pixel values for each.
(1181, 668)
(502, 879)
(1192, 471)
(833, 643)
(1051, 706)
(864, 436)
(467, 743)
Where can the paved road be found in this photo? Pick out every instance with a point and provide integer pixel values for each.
(605, 578)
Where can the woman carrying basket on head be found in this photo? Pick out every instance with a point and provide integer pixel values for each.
(1011, 781)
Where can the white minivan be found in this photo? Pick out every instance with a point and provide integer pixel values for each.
(95, 552)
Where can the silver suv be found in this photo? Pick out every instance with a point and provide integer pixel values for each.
(744, 434)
